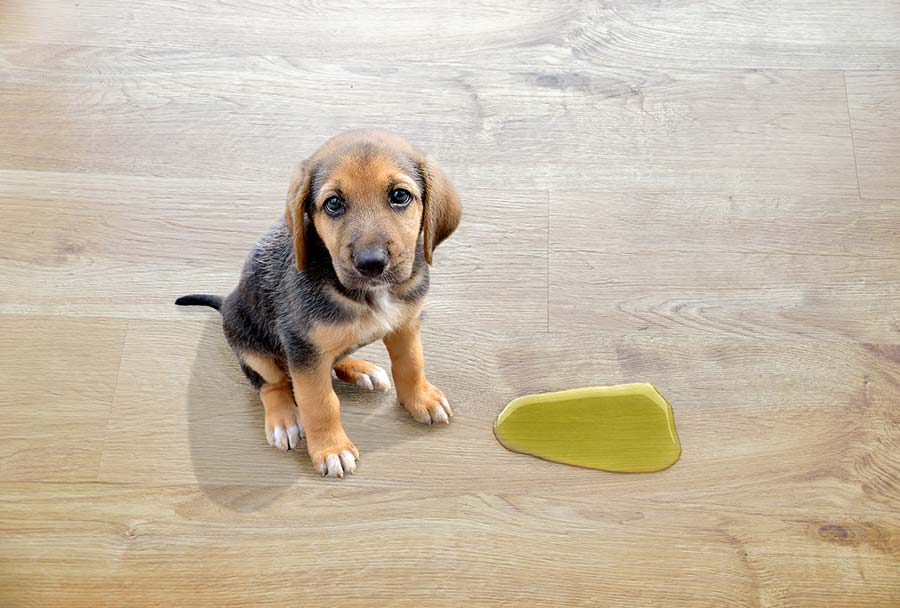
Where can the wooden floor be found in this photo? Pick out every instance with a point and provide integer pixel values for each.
(703, 195)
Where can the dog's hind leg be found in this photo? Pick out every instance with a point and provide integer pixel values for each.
(283, 429)
(363, 374)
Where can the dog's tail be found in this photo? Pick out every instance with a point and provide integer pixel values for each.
(200, 299)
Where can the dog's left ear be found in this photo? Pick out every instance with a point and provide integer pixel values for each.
(442, 209)
(295, 211)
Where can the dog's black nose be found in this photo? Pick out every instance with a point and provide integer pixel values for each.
(370, 262)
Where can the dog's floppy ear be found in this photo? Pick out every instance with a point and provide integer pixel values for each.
(295, 211)
(442, 209)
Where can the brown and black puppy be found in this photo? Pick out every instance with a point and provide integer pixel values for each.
(347, 265)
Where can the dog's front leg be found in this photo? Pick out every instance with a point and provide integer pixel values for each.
(425, 402)
(331, 451)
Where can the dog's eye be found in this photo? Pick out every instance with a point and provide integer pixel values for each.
(333, 206)
(400, 198)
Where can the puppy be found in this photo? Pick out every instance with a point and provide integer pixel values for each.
(347, 265)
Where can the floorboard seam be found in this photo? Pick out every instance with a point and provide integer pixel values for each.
(850, 128)
(548, 260)
(112, 404)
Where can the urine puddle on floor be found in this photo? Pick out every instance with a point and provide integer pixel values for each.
(628, 428)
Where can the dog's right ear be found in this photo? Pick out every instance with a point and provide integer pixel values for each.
(295, 211)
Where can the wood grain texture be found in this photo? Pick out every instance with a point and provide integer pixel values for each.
(845, 34)
(700, 195)
(742, 266)
(738, 131)
(718, 557)
(875, 118)
(57, 378)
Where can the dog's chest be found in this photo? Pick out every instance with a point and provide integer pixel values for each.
(383, 315)
(380, 316)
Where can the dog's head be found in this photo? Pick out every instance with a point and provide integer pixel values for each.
(369, 196)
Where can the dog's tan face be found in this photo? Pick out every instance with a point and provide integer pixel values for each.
(368, 212)
(368, 196)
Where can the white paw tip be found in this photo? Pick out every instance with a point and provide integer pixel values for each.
(348, 461)
(294, 435)
(333, 375)
(380, 380)
(364, 382)
(424, 417)
(281, 438)
(446, 405)
(333, 466)
(440, 415)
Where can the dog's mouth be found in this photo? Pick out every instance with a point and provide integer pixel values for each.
(354, 280)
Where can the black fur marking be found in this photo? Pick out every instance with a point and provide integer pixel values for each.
(274, 306)
(418, 292)
(255, 379)
(245, 329)
(301, 353)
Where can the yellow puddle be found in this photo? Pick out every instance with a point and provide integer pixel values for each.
(629, 428)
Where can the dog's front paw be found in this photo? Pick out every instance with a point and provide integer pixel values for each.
(283, 429)
(427, 404)
(332, 455)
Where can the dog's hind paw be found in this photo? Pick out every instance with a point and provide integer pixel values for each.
(375, 380)
(363, 374)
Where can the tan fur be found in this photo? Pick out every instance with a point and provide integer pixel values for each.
(442, 208)
(278, 405)
(333, 340)
(268, 367)
(350, 370)
(366, 180)
(416, 394)
(320, 414)
(295, 211)
(370, 221)
(275, 393)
